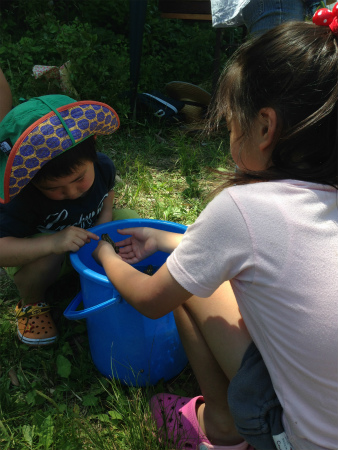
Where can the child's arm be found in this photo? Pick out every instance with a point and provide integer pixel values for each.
(146, 241)
(5, 96)
(106, 213)
(21, 251)
(153, 296)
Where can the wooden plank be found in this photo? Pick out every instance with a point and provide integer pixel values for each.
(186, 16)
(185, 6)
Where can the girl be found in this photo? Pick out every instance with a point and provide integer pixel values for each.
(267, 246)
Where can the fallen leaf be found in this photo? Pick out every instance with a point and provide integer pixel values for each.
(13, 377)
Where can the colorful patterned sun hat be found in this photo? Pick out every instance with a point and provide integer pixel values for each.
(40, 129)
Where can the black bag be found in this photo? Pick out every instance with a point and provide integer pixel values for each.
(160, 106)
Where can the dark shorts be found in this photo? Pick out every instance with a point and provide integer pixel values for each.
(253, 403)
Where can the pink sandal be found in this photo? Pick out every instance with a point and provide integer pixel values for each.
(176, 419)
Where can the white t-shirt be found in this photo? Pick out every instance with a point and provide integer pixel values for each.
(277, 242)
(227, 12)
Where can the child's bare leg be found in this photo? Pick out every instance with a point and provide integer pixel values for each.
(33, 279)
(215, 339)
(5, 96)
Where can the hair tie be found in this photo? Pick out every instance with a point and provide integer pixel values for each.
(326, 18)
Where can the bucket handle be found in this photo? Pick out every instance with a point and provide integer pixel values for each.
(71, 313)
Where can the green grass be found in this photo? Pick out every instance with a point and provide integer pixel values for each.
(165, 173)
(54, 398)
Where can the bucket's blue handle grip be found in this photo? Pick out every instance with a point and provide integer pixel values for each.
(71, 313)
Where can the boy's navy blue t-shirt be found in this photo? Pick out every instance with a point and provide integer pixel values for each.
(31, 212)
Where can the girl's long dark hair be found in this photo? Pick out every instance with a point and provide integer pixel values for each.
(292, 68)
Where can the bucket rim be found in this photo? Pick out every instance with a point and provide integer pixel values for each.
(88, 273)
(142, 222)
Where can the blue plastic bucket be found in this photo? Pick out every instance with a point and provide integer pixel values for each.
(124, 344)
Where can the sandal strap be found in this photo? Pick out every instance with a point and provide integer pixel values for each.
(33, 310)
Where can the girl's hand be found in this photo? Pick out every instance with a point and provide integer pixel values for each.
(104, 250)
(70, 239)
(141, 244)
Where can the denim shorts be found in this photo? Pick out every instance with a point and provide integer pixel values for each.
(261, 15)
(254, 405)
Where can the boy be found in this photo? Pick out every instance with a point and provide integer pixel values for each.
(55, 186)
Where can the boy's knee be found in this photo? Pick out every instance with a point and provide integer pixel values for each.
(39, 271)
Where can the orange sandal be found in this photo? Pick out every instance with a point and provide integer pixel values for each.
(35, 324)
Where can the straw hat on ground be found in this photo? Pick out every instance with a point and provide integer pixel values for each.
(196, 99)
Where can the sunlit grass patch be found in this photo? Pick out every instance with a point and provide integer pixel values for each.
(54, 398)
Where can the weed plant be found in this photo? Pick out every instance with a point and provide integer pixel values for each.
(95, 37)
(55, 398)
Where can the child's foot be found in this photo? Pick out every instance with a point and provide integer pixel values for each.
(35, 324)
(177, 422)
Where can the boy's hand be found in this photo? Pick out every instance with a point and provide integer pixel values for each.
(71, 239)
(102, 250)
(142, 243)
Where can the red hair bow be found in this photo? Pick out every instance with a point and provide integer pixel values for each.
(326, 18)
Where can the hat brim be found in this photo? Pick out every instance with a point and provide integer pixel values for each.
(187, 92)
(47, 138)
(180, 90)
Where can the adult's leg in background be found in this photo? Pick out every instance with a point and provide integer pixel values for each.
(261, 15)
